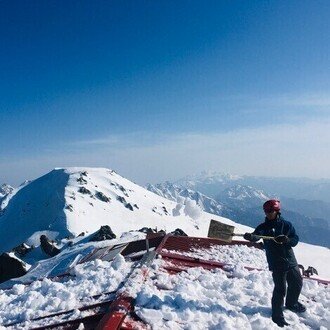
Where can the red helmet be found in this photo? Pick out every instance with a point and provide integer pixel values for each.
(272, 205)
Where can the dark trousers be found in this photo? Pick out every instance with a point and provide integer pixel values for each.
(294, 280)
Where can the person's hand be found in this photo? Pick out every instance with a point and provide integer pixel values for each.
(282, 239)
(250, 237)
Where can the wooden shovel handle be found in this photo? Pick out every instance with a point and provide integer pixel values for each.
(260, 236)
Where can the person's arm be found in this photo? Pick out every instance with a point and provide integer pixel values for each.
(293, 237)
(253, 237)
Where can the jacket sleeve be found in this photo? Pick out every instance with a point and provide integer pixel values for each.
(291, 233)
(257, 231)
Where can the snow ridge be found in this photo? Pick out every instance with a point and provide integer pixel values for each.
(68, 201)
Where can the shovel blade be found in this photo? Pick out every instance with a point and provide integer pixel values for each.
(221, 231)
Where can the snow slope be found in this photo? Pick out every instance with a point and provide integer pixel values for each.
(69, 201)
(234, 298)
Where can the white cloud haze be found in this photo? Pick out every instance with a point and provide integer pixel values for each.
(275, 150)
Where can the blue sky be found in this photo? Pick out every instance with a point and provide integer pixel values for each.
(160, 89)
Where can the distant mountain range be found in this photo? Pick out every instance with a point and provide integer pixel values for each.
(178, 194)
(227, 195)
(211, 183)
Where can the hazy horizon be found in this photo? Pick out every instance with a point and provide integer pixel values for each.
(170, 179)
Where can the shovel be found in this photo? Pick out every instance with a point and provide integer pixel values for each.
(225, 232)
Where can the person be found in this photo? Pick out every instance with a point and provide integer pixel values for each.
(281, 260)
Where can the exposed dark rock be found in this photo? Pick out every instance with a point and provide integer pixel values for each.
(102, 197)
(103, 234)
(123, 190)
(10, 267)
(81, 234)
(121, 199)
(69, 207)
(165, 210)
(129, 206)
(156, 210)
(84, 173)
(84, 190)
(147, 230)
(178, 232)
(135, 205)
(48, 246)
(22, 249)
(81, 180)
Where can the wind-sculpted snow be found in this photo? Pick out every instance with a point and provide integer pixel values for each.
(234, 298)
(24, 302)
(230, 254)
(202, 299)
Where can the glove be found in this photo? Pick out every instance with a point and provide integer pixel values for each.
(250, 237)
(282, 239)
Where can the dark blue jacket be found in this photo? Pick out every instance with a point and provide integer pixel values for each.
(279, 256)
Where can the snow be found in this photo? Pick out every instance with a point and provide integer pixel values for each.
(67, 259)
(230, 254)
(191, 209)
(233, 298)
(55, 203)
(200, 299)
(23, 302)
(316, 256)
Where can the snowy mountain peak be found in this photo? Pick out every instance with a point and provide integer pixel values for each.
(239, 196)
(181, 194)
(5, 189)
(207, 177)
(167, 190)
(246, 192)
(6, 193)
(68, 201)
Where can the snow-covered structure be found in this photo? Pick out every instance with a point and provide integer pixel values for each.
(169, 282)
